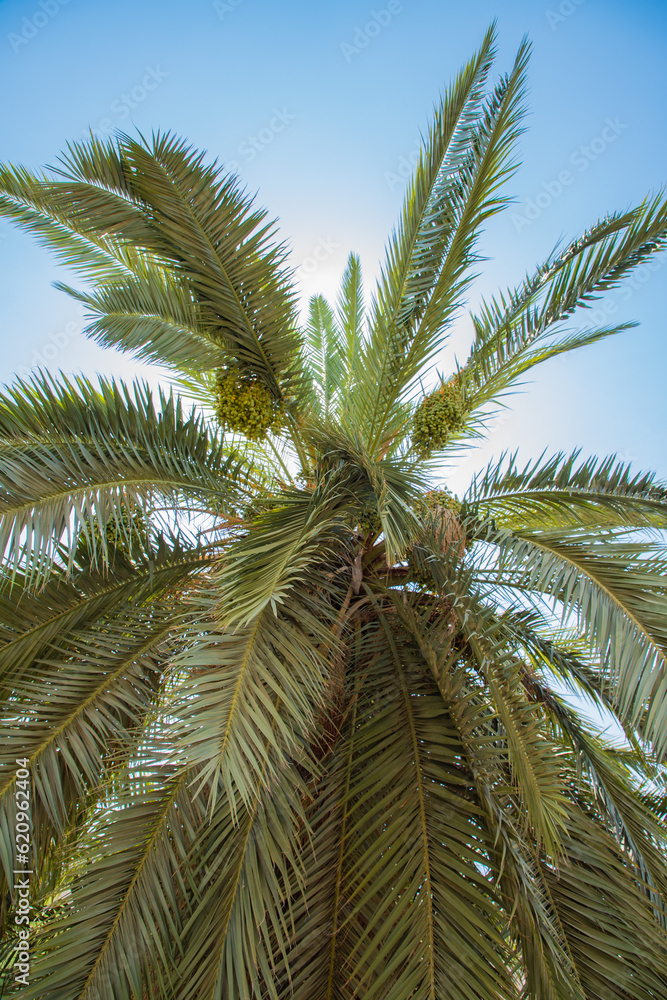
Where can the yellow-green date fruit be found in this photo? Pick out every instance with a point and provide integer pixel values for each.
(438, 415)
(244, 404)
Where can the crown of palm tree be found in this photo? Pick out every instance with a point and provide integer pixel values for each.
(296, 722)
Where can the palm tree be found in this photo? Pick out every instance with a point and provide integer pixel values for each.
(298, 722)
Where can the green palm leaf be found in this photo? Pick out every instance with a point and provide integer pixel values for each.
(298, 723)
(559, 492)
(508, 326)
(324, 357)
(75, 457)
(407, 333)
(616, 593)
(125, 910)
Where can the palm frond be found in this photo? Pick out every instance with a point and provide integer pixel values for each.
(613, 782)
(508, 326)
(118, 935)
(250, 694)
(281, 547)
(324, 358)
(561, 491)
(350, 317)
(419, 916)
(75, 457)
(619, 950)
(522, 747)
(30, 623)
(615, 590)
(246, 866)
(151, 314)
(193, 220)
(87, 660)
(441, 231)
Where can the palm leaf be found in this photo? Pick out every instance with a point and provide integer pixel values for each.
(190, 219)
(324, 359)
(558, 492)
(74, 458)
(402, 342)
(509, 325)
(419, 913)
(126, 910)
(616, 593)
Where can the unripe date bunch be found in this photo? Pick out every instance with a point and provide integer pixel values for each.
(436, 500)
(244, 404)
(437, 417)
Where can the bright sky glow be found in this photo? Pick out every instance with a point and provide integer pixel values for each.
(320, 107)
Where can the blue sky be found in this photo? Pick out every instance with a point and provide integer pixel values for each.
(320, 108)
